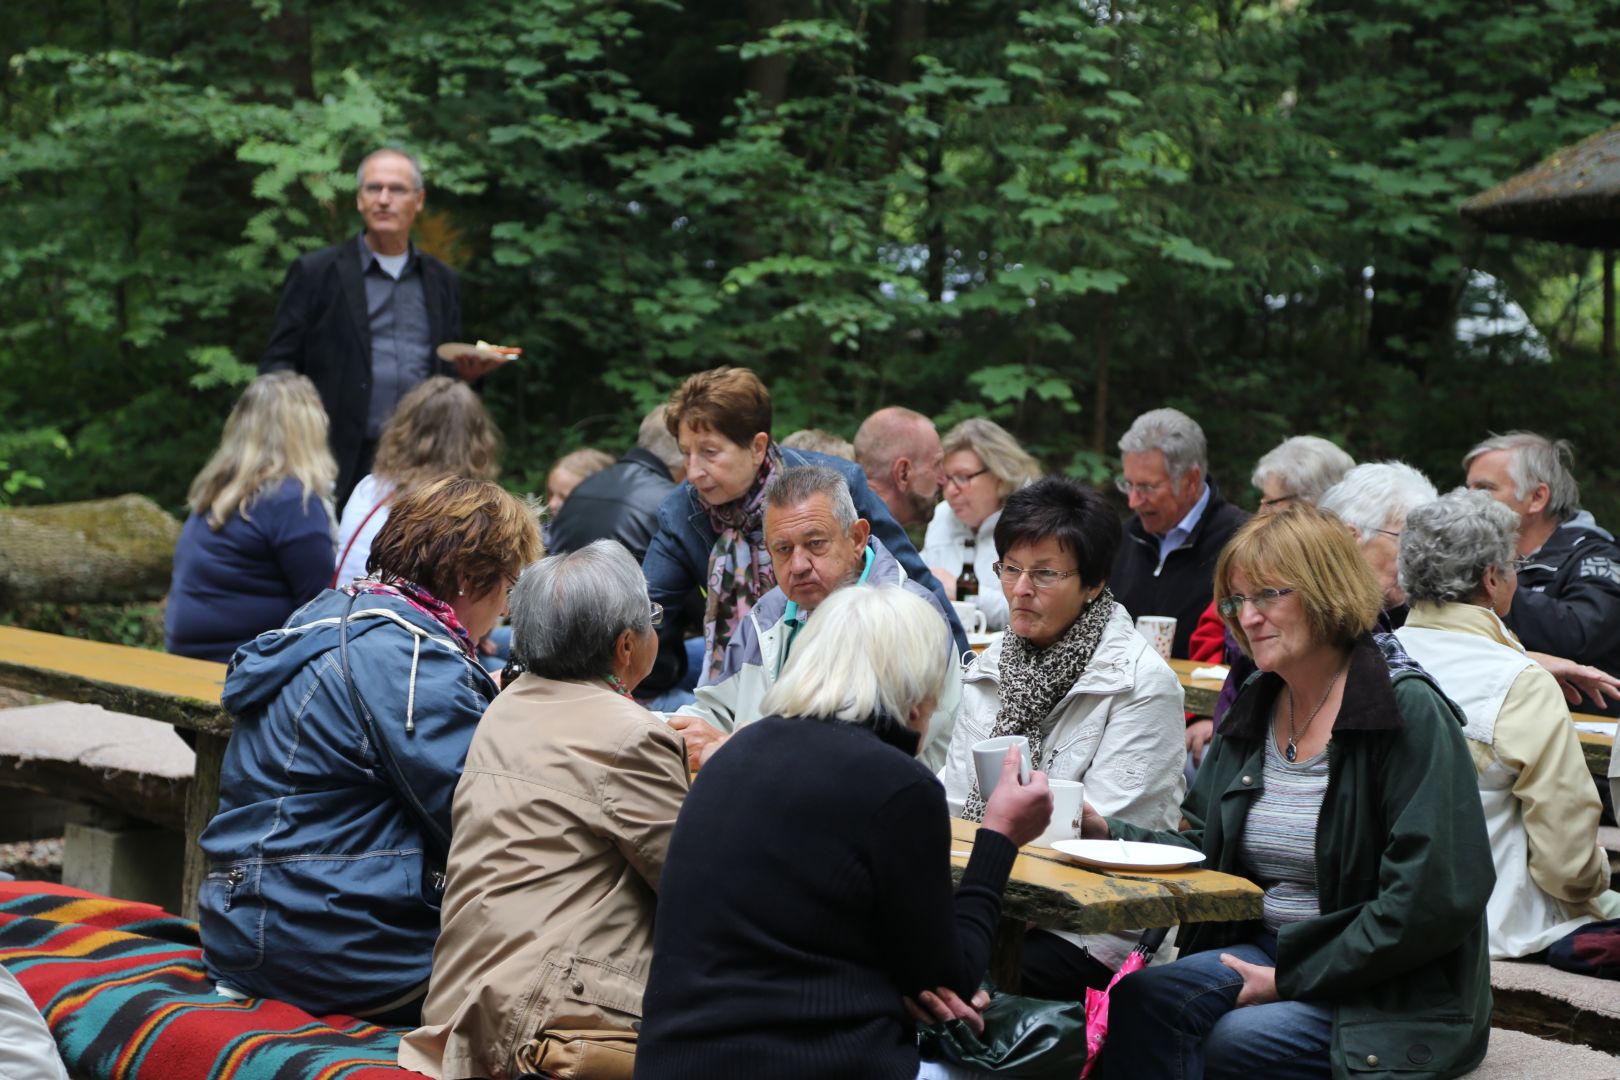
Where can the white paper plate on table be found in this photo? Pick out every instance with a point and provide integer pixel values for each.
(1133, 855)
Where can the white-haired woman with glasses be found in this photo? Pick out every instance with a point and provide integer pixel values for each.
(807, 894)
(1457, 565)
(983, 464)
(1071, 673)
(562, 821)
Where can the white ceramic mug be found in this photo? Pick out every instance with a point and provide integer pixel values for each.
(1067, 798)
(971, 618)
(987, 757)
(1160, 630)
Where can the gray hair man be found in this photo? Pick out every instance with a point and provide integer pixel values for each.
(364, 318)
(818, 545)
(900, 452)
(1568, 599)
(1166, 564)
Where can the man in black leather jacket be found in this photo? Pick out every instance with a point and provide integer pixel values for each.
(621, 503)
(1568, 599)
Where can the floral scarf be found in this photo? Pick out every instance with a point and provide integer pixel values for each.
(1034, 680)
(739, 569)
(423, 601)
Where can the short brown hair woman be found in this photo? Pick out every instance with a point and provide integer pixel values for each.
(710, 528)
(326, 859)
(1341, 785)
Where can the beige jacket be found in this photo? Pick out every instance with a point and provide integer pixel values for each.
(561, 822)
(1540, 806)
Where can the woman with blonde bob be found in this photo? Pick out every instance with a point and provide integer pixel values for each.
(438, 429)
(806, 900)
(326, 859)
(1341, 785)
(257, 544)
(983, 465)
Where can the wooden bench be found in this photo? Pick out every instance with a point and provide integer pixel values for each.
(174, 689)
(1516, 1055)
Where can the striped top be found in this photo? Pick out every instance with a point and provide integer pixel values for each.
(1279, 841)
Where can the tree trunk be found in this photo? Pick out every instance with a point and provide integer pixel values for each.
(106, 551)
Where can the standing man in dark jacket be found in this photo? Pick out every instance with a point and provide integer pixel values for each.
(1166, 566)
(364, 318)
(621, 503)
(1568, 599)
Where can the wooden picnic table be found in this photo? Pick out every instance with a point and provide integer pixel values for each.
(174, 689)
(1595, 746)
(1055, 894)
(1200, 694)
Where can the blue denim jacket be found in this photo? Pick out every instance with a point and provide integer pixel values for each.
(677, 561)
(320, 888)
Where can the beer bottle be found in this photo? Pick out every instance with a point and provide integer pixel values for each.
(967, 582)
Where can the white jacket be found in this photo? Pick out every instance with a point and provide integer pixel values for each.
(1120, 730)
(945, 546)
(1540, 809)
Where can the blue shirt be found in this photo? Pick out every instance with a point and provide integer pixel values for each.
(401, 340)
(1178, 535)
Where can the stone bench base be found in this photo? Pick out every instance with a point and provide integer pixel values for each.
(1542, 1001)
(1515, 1055)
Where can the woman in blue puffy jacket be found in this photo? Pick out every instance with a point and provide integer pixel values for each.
(326, 859)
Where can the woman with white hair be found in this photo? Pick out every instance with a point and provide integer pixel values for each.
(1457, 566)
(562, 820)
(983, 464)
(1301, 468)
(257, 544)
(807, 894)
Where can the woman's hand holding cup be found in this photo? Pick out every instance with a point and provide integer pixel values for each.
(1020, 812)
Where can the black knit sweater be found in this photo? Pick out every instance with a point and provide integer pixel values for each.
(807, 888)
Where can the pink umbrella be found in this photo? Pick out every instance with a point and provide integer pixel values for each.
(1097, 1000)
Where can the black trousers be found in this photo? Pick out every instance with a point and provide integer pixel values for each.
(1056, 970)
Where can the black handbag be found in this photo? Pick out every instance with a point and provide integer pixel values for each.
(1029, 1038)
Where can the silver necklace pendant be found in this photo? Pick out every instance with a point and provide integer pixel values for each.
(1292, 752)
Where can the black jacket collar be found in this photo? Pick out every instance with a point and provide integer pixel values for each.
(1138, 532)
(1369, 697)
(648, 459)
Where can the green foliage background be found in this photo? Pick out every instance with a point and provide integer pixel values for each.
(1058, 214)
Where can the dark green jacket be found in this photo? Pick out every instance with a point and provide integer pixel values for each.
(1403, 871)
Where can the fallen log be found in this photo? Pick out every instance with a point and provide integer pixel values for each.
(103, 551)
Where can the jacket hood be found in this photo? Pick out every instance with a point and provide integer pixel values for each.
(262, 667)
(1583, 519)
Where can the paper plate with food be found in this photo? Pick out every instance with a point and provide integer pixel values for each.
(483, 350)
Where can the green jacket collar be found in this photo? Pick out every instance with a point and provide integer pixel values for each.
(1367, 685)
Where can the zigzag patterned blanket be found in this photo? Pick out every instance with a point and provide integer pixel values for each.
(123, 988)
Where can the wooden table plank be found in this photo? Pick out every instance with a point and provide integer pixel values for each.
(1046, 889)
(175, 689)
(1200, 694)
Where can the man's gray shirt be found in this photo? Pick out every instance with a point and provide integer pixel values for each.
(401, 343)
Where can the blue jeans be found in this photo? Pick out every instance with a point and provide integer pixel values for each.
(1180, 1021)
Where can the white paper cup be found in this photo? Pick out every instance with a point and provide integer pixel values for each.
(968, 614)
(987, 757)
(1160, 630)
(1067, 798)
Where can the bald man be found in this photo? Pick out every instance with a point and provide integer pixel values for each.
(899, 451)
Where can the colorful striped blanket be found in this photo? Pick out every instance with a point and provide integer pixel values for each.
(123, 988)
